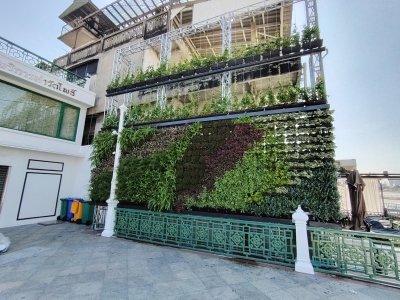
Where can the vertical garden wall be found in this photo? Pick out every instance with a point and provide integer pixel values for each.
(260, 166)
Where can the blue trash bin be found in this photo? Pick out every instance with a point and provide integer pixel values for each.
(69, 215)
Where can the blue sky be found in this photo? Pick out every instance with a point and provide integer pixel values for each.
(362, 71)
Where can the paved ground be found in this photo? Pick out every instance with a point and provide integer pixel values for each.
(69, 261)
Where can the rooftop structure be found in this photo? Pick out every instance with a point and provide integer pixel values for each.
(128, 36)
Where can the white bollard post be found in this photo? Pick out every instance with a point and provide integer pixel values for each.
(303, 263)
(112, 202)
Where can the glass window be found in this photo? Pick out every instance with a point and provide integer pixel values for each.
(27, 111)
(69, 121)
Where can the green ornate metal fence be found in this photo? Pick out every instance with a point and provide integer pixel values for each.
(365, 256)
(266, 242)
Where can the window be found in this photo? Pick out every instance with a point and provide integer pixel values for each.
(3, 177)
(26, 111)
(89, 68)
(88, 132)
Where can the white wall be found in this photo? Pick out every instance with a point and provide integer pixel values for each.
(44, 83)
(33, 190)
(39, 197)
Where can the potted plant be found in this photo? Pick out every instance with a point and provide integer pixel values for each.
(176, 70)
(282, 95)
(311, 38)
(316, 41)
(205, 63)
(295, 41)
(249, 54)
(276, 46)
(320, 90)
(271, 97)
(292, 94)
(303, 94)
(286, 45)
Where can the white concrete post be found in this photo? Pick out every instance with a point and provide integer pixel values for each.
(112, 202)
(303, 263)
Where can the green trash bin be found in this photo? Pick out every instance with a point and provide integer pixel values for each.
(87, 212)
(63, 210)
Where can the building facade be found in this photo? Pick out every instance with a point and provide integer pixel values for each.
(42, 115)
(131, 36)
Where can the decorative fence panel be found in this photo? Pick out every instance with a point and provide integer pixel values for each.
(86, 52)
(366, 256)
(17, 52)
(124, 36)
(99, 216)
(266, 242)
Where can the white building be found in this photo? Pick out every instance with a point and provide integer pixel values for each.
(42, 115)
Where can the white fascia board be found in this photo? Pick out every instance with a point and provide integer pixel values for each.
(27, 76)
(33, 142)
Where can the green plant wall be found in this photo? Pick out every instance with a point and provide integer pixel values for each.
(262, 166)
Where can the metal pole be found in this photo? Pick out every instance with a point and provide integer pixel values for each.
(112, 202)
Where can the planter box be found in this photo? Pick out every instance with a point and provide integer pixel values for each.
(188, 73)
(296, 49)
(202, 70)
(151, 81)
(162, 78)
(286, 51)
(312, 44)
(175, 76)
(235, 62)
(219, 66)
(316, 43)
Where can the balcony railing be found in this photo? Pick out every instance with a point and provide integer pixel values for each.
(148, 28)
(20, 53)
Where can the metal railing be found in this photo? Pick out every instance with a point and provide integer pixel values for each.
(99, 216)
(28, 57)
(365, 256)
(259, 241)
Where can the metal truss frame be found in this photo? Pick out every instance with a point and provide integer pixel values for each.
(315, 59)
(223, 22)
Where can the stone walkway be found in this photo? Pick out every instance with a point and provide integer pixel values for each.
(69, 261)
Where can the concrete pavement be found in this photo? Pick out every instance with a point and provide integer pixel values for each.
(70, 261)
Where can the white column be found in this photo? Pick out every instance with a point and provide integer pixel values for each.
(303, 263)
(112, 202)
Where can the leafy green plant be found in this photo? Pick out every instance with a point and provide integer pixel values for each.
(134, 137)
(103, 146)
(127, 80)
(115, 83)
(140, 76)
(248, 101)
(295, 38)
(259, 172)
(219, 105)
(320, 89)
(282, 95)
(277, 43)
(100, 185)
(271, 97)
(310, 33)
(286, 42)
(151, 180)
(292, 94)
(262, 101)
(111, 121)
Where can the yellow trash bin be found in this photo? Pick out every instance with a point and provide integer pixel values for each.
(76, 209)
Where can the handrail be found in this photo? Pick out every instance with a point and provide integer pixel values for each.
(37, 61)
